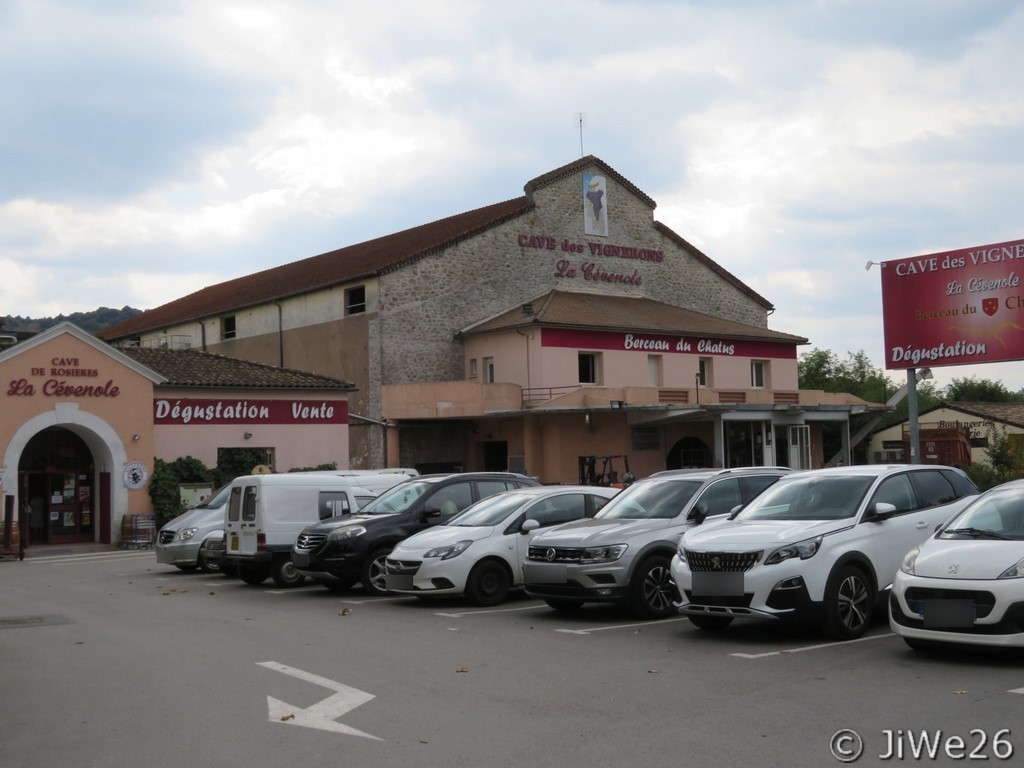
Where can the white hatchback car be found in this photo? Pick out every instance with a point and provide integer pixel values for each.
(965, 584)
(480, 552)
(818, 545)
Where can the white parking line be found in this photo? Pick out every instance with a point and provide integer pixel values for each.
(462, 614)
(80, 560)
(618, 626)
(86, 556)
(810, 647)
(1016, 690)
(369, 600)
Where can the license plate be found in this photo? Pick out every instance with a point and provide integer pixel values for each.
(300, 560)
(717, 584)
(542, 573)
(399, 581)
(234, 542)
(948, 613)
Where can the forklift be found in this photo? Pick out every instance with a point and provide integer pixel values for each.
(607, 477)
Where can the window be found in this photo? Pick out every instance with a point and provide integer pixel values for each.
(333, 504)
(472, 368)
(249, 504)
(451, 499)
(933, 488)
(227, 327)
(562, 509)
(488, 370)
(704, 372)
(654, 371)
(355, 300)
(589, 368)
(895, 490)
(722, 496)
(758, 371)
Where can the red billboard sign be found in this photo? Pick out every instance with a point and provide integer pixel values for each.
(954, 308)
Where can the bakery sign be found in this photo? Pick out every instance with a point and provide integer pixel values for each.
(181, 411)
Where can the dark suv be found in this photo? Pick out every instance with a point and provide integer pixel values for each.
(341, 551)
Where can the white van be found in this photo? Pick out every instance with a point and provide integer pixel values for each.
(265, 513)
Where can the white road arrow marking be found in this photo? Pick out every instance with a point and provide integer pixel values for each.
(323, 714)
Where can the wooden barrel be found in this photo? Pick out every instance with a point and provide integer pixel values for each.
(9, 544)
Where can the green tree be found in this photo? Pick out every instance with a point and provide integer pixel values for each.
(165, 482)
(1005, 461)
(973, 390)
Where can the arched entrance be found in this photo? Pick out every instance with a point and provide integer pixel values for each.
(56, 475)
(687, 453)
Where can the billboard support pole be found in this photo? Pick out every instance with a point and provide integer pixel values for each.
(915, 430)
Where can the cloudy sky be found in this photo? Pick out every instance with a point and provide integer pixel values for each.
(153, 147)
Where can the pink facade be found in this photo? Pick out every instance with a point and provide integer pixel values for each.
(81, 424)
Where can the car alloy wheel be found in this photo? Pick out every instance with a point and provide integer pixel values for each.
(653, 590)
(374, 573)
(849, 603)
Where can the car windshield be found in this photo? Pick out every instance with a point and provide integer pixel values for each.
(490, 511)
(810, 497)
(650, 499)
(217, 499)
(397, 499)
(998, 514)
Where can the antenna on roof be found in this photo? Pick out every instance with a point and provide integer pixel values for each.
(579, 119)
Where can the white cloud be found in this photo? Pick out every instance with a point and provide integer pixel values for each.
(791, 142)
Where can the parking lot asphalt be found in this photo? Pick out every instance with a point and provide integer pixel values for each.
(125, 656)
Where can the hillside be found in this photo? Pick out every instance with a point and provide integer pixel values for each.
(91, 322)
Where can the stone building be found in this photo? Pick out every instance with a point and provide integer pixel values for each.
(538, 334)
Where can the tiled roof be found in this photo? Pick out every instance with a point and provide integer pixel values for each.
(622, 313)
(375, 257)
(1007, 413)
(192, 368)
(345, 264)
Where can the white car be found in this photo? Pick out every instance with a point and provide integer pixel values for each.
(480, 552)
(965, 584)
(817, 546)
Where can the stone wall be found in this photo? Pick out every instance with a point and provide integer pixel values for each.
(424, 304)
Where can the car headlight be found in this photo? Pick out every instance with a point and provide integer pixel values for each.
(186, 534)
(603, 554)
(450, 551)
(681, 552)
(1015, 571)
(802, 549)
(907, 566)
(346, 532)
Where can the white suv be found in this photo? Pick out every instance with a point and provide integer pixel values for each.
(818, 545)
(622, 554)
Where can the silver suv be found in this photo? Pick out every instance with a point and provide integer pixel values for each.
(622, 554)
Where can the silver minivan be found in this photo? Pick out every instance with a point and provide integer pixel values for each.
(185, 541)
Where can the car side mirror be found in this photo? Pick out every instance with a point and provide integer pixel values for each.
(699, 513)
(427, 514)
(879, 512)
(529, 525)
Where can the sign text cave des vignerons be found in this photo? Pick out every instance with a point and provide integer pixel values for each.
(591, 270)
(955, 307)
